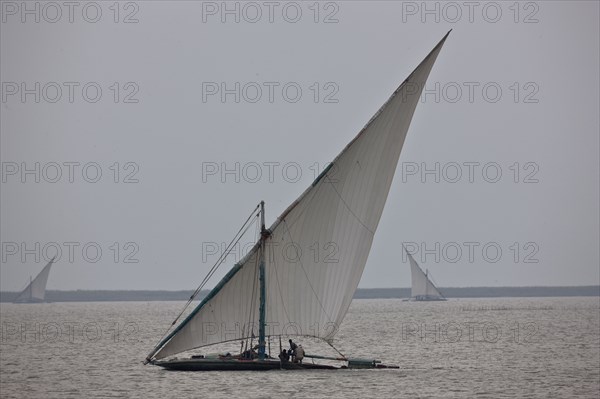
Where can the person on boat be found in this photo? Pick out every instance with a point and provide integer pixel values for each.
(292, 350)
(283, 356)
(249, 354)
(299, 354)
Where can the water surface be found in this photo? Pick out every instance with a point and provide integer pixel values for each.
(489, 348)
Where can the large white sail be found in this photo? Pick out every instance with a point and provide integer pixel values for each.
(317, 249)
(422, 287)
(36, 290)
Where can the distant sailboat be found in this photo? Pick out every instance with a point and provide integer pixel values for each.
(272, 293)
(422, 287)
(36, 289)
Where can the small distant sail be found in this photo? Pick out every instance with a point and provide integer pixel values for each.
(36, 290)
(422, 287)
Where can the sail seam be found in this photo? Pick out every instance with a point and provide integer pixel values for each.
(308, 279)
(279, 286)
(350, 210)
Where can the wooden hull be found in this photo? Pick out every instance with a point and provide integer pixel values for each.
(237, 365)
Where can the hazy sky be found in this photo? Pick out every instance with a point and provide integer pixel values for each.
(191, 118)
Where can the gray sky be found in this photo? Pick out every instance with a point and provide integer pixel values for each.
(514, 91)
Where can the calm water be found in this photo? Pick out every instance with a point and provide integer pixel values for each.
(535, 347)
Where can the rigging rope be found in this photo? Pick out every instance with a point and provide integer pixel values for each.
(335, 349)
(218, 263)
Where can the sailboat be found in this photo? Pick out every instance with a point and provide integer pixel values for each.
(35, 291)
(422, 288)
(281, 288)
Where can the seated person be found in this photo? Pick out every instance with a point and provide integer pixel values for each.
(299, 354)
(283, 356)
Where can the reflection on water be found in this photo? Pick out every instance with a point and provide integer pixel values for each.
(510, 347)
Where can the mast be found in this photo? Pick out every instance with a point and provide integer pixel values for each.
(262, 282)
